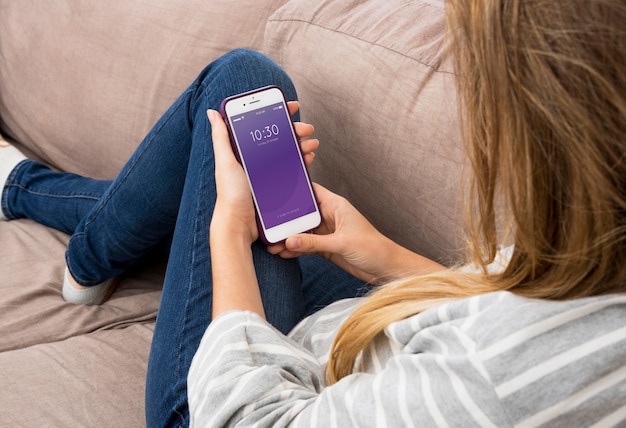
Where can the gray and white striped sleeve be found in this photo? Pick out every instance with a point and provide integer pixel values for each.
(491, 361)
(247, 373)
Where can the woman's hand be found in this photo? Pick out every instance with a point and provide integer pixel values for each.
(234, 209)
(233, 226)
(347, 239)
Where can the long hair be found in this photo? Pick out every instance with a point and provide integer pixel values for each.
(542, 100)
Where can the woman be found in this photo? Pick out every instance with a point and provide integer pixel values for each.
(537, 340)
(534, 340)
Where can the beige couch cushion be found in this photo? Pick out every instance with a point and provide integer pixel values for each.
(94, 380)
(371, 78)
(81, 82)
(33, 311)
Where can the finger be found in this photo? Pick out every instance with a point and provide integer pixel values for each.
(283, 253)
(276, 248)
(221, 142)
(308, 146)
(289, 254)
(310, 243)
(280, 250)
(303, 130)
(293, 107)
(309, 158)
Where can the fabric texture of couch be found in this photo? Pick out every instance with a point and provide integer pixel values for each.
(81, 82)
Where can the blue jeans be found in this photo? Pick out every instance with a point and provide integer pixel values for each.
(166, 193)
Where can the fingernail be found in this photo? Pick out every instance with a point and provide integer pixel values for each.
(211, 115)
(295, 243)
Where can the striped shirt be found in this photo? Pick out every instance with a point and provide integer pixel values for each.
(494, 360)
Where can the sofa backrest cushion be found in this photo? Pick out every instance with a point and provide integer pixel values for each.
(81, 82)
(372, 79)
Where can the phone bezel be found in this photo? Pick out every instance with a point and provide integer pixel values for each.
(250, 101)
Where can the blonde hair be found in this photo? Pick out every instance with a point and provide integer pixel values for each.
(542, 94)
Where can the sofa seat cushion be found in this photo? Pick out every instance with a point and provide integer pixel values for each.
(372, 78)
(93, 380)
(33, 311)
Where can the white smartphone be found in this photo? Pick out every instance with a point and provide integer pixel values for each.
(265, 142)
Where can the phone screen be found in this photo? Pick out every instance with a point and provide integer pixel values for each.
(274, 164)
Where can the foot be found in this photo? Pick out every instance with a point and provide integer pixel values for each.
(92, 295)
(9, 158)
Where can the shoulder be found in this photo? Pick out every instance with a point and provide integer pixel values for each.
(501, 323)
(538, 356)
(493, 316)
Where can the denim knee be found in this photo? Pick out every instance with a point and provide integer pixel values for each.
(243, 70)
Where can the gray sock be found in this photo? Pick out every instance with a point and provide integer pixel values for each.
(93, 295)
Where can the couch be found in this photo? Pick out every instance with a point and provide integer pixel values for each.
(82, 81)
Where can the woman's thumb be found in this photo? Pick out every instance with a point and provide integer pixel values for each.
(307, 243)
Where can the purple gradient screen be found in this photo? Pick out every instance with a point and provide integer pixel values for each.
(278, 179)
